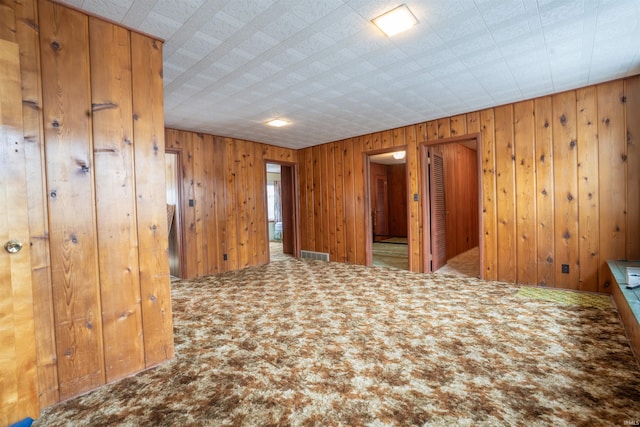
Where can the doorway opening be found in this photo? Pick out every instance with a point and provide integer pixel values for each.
(452, 219)
(174, 212)
(282, 220)
(388, 209)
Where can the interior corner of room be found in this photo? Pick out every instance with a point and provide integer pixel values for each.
(106, 207)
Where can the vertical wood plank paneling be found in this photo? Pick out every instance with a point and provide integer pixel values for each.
(632, 111)
(416, 229)
(259, 213)
(489, 207)
(18, 370)
(187, 140)
(219, 168)
(210, 205)
(386, 139)
(473, 122)
(26, 24)
(349, 201)
(70, 181)
(565, 176)
(148, 133)
(115, 199)
(325, 194)
(432, 130)
(302, 199)
(588, 226)
(341, 224)
(444, 128)
(359, 183)
(242, 200)
(331, 197)
(524, 139)
(231, 204)
(317, 199)
(458, 125)
(198, 209)
(312, 225)
(399, 137)
(612, 171)
(544, 191)
(506, 202)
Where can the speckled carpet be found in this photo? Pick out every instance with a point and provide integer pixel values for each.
(327, 344)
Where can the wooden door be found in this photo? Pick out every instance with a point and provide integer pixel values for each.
(286, 199)
(18, 372)
(437, 205)
(381, 206)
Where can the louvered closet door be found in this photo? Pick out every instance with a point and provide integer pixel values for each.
(438, 210)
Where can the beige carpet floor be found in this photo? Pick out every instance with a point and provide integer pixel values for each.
(466, 264)
(326, 344)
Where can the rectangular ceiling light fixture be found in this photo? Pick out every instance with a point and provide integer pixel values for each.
(396, 20)
(277, 123)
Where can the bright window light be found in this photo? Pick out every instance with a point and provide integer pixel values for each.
(395, 21)
(277, 123)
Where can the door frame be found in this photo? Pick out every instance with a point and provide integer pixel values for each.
(424, 186)
(180, 211)
(294, 200)
(367, 204)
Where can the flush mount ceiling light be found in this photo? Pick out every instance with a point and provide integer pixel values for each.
(277, 123)
(396, 20)
(399, 155)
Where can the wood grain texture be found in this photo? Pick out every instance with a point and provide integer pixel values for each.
(632, 118)
(533, 219)
(26, 27)
(461, 189)
(70, 181)
(525, 192)
(565, 177)
(612, 171)
(544, 192)
(151, 209)
(489, 207)
(228, 184)
(115, 199)
(589, 227)
(505, 195)
(18, 363)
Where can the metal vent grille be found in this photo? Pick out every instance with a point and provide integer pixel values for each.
(321, 256)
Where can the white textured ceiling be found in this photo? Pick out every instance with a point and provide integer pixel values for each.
(231, 65)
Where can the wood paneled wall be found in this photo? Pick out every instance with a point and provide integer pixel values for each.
(226, 181)
(94, 142)
(397, 175)
(560, 183)
(461, 197)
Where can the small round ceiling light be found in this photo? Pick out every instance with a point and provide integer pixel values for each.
(277, 123)
(399, 155)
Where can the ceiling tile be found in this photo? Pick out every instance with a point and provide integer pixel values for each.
(229, 65)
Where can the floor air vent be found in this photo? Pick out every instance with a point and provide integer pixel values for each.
(321, 256)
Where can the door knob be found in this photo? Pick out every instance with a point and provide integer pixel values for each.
(13, 246)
